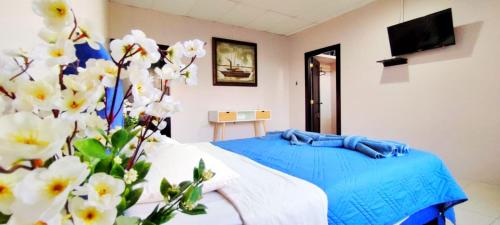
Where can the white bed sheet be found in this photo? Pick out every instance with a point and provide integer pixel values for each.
(261, 196)
(264, 196)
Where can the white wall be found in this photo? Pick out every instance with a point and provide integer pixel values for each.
(445, 100)
(192, 124)
(20, 25)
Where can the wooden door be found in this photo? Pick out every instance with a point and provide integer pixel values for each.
(315, 101)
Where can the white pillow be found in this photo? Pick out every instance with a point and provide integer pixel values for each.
(175, 162)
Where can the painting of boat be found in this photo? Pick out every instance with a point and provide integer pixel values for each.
(235, 71)
(234, 63)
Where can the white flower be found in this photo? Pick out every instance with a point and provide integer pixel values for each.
(165, 108)
(194, 48)
(56, 13)
(130, 176)
(120, 47)
(106, 71)
(45, 191)
(130, 147)
(51, 36)
(37, 94)
(175, 53)
(143, 88)
(148, 49)
(84, 213)
(20, 220)
(162, 125)
(170, 71)
(90, 123)
(137, 110)
(87, 80)
(62, 52)
(8, 68)
(103, 191)
(191, 75)
(117, 160)
(74, 103)
(7, 184)
(89, 34)
(25, 136)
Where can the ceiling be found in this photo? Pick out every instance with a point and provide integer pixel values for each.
(284, 17)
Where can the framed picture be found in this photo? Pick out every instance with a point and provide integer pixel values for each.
(234, 63)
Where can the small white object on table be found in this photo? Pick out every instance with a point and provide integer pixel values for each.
(220, 118)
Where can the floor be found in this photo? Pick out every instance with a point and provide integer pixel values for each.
(483, 207)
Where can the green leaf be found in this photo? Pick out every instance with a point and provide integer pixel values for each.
(131, 122)
(91, 148)
(133, 197)
(196, 174)
(164, 187)
(104, 165)
(146, 222)
(184, 185)
(195, 194)
(167, 216)
(125, 220)
(117, 171)
(142, 168)
(199, 209)
(4, 218)
(201, 166)
(103, 134)
(120, 138)
(122, 206)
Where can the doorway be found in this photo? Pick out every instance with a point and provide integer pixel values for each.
(322, 73)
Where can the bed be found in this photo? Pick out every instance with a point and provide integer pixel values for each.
(285, 184)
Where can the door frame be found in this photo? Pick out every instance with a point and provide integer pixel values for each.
(308, 84)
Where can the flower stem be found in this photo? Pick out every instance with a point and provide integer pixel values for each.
(19, 166)
(75, 22)
(111, 117)
(61, 75)
(142, 138)
(127, 94)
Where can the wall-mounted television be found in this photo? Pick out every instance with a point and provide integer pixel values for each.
(427, 32)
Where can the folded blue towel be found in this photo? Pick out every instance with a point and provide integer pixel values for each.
(372, 148)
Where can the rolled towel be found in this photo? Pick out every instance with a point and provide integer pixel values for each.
(372, 148)
(298, 137)
(329, 141)
(351, 142)
(368, 151)
(334, 143)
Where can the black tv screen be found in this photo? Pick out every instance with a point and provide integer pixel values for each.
(428, 32)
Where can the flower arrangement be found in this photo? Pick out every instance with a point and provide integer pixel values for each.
(62, 159)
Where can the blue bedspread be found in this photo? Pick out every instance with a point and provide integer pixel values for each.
(360, 190)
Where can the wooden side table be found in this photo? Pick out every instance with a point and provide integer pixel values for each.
(220, 118)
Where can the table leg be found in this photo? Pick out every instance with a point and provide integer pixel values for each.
(256, 128)
(216, 131)
(264, 126)
(223, 127)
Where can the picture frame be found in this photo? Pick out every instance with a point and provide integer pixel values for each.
(234, 63)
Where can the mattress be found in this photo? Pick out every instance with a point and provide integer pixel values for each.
(360, 190)
(260, 196)
(257, 194)
(219, 212)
